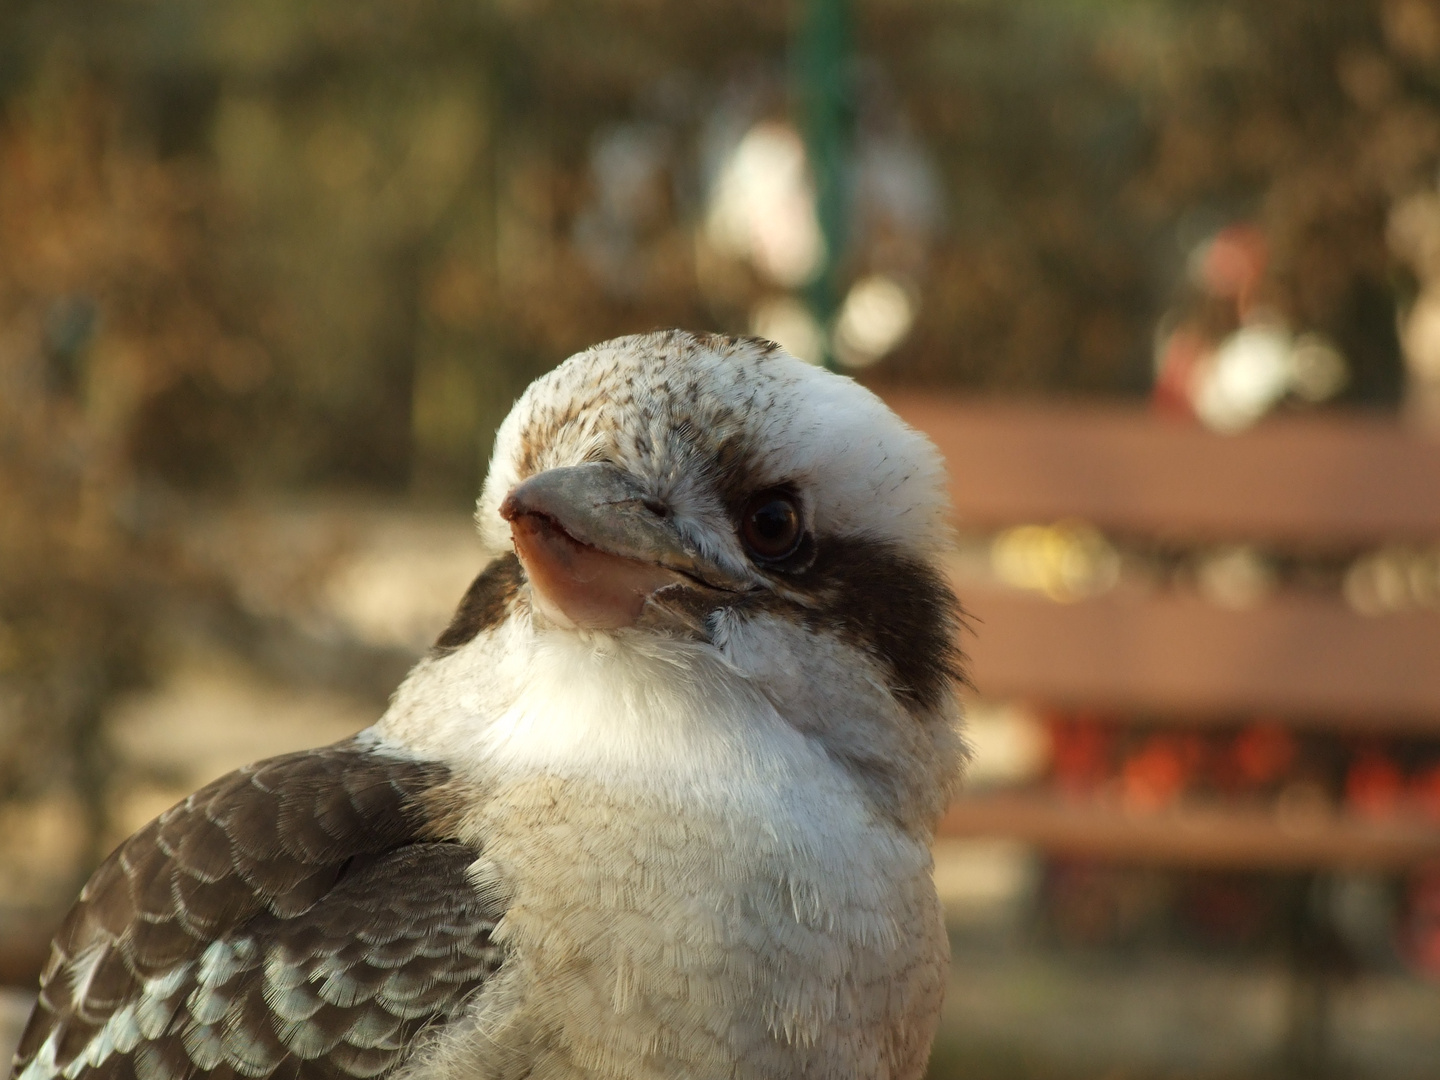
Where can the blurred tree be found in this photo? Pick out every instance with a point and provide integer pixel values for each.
(105, 304)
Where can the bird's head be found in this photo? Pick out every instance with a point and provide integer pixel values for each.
(721, 492)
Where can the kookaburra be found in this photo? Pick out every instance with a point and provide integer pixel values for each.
(658, 803)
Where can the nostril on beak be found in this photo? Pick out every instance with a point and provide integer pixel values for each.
(656, 507)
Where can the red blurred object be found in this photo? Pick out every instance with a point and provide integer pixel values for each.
(1258, 758)
(1425, 792)
(1180, 358)
(1263, 753)
(1233, 264)
(1374, 785)
(1080, 749)
(1158, 774)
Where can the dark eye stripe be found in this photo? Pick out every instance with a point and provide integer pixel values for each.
(897, 608)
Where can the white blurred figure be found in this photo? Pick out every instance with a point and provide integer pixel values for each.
(1414, 236)
(762, 206)
(1244, 378)
(876, 316)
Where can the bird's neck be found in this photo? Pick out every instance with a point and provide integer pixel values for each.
(677, 719)
(686, 868)
(599, 707)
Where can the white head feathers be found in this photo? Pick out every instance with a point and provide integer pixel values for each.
(679, 410)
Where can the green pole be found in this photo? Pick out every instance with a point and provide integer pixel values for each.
(823, 77)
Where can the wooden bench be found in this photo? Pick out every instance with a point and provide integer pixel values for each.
(1320, 484)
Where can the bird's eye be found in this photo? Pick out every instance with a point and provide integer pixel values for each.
(770, 525)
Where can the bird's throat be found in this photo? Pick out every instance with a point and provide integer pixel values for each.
(579, 586)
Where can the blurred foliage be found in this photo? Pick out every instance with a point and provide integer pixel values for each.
(107, 300)
(264, 245)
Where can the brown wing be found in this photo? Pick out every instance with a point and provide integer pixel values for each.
(295, 919)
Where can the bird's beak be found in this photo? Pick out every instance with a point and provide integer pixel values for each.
(595, 548)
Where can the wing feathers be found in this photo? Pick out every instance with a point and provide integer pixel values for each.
(291, 921)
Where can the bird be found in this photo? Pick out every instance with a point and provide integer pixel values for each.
(659, 801)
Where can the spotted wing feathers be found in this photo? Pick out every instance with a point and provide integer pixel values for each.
(294, 919)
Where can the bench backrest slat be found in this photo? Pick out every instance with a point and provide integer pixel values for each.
(1334, 480)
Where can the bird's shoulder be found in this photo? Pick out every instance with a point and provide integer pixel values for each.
(305, 916)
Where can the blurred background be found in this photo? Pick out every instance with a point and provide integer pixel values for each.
(1162, 278)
